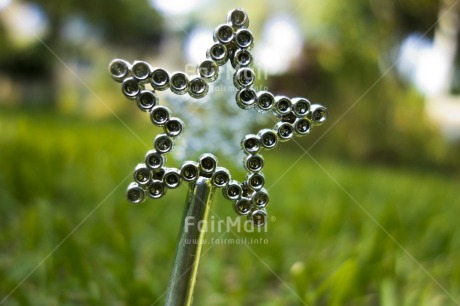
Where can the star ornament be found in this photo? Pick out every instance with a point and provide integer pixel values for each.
(233, 42)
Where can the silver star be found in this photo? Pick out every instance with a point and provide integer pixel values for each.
(233, 42)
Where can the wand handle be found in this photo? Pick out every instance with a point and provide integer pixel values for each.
(184, 272)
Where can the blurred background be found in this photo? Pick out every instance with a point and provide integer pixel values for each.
(364, 209)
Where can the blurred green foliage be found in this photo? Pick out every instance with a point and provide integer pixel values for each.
(69, 238)
(347, 64)
(117, 21)
(380, 230)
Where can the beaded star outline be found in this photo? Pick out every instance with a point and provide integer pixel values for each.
(233, 42)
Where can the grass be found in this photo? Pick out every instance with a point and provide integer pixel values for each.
(68, 237)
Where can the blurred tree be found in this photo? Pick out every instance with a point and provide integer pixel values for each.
(349, 60)
(122, 22)
(127, 24)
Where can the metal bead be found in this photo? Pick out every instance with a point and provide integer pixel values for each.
(246, 98)
(238, 18)
(174, 127)
(158, 174)
(163, 143)
(208, 70)
(154, 160)
(179, 83)
(244, 77)
(189, 171)
(160, 79)
(223, 34)
(172, 178)
(283, 106)
(231, 49)
(141, 174)
(146, 100)
(261, 198)
(265, 101)
(141, 70)
(318, 114)
(258, 217)
(131, 88)
(246, 191)
(284, 131)
(242, 58)
(242, 206)
(233, 190)
(198, 88)
(250, 144)
(208, 164)
(300, 106)
(289, 118)
(135, 193)
(255, 181)
(156, 189)
(244, 39)
(119, 69)
(268, 138)
(218, 53)
(253, 163)
(159, 115)
(302, 127)
(220, 177)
